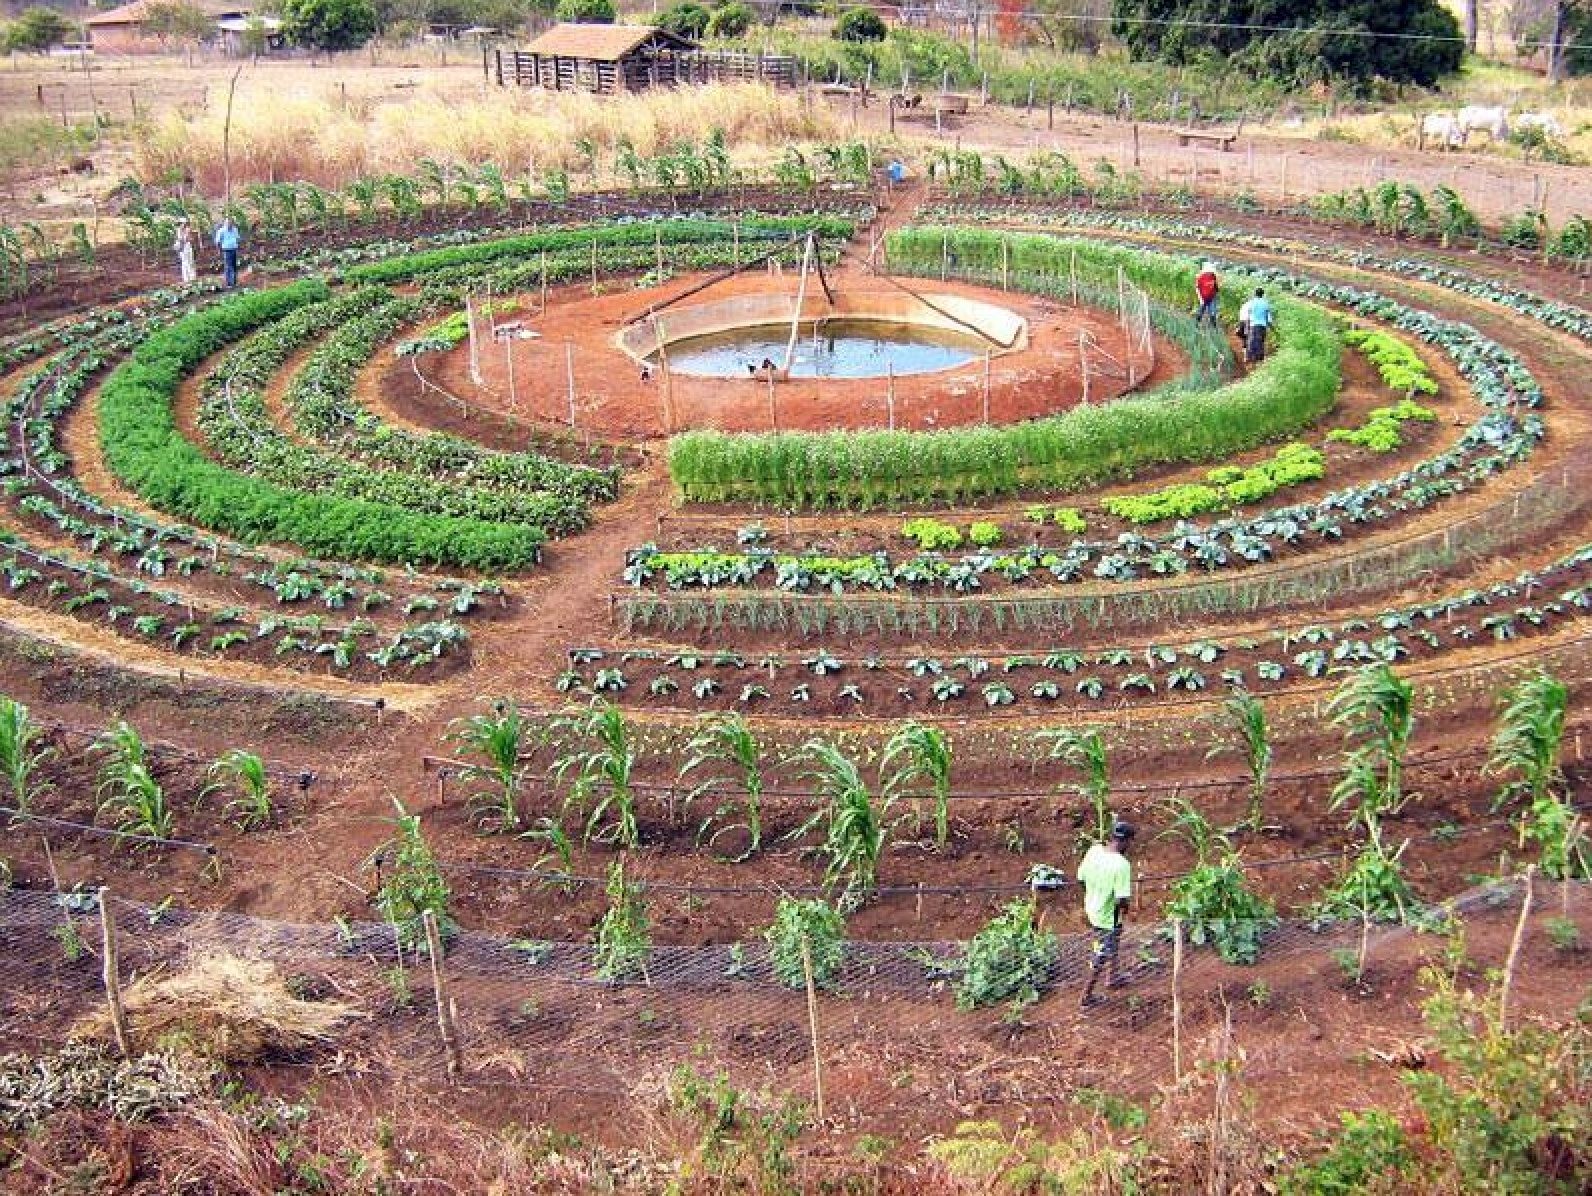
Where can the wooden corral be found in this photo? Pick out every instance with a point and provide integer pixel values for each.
(613, 58)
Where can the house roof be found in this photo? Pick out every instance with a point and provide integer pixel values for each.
(138, 10)
(604, 43)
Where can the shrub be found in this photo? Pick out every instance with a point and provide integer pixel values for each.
(586, 12)
(821, 926)
(860, 25)
(733, 20)
(1523, 230)
(1370, 1147)
(685, 20)
(1010, 959)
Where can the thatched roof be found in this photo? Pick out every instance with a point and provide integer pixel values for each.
(603, 43)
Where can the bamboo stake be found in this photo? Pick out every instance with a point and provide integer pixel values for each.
(812, 1025)
(569, 374)
(1177, 1000)
(226, 138)
(986, 385)
(111, 970)
(439, 982)
(1505, 984)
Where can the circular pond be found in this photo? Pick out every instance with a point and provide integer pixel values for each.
(836, 348)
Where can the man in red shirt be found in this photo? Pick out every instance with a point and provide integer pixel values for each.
(1208, 290)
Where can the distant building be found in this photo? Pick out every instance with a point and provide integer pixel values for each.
(618, 58)
(123, 30)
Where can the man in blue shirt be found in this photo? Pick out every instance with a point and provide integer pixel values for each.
(228, 238)
(1254, 321)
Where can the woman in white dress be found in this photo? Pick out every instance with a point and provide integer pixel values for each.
(183, 244)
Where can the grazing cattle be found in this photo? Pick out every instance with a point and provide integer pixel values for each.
(1543, 121)
(1476, 118)
(1440, 129)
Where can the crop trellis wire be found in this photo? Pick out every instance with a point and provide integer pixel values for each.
(533, 1016)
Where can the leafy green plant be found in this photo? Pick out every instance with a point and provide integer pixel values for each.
(414, 884)
(1526, 747)
(1212, 899)
(1085, 750)
(601, 771)
(854, 830)
(1010, 959)
(917, 751)
(23, 752)
(728, 739)
(500, 737)
(1368, 1148)
(1375, 708)
(1246, 714)
(623, 937)
(1372, 888)
(252, 808)
(817, 924)
(127, 788)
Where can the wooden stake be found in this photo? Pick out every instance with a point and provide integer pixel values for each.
(889, 393)
(812, 1026)
(226, 141)
(439, 983)
(111, 970)
(569, 372)
(1508, 980)
(1177, 1000)
(986, 385)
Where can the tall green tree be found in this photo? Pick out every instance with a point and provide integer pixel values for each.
(37, 29)
(329, 25)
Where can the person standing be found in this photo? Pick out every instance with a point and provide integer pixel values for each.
(1255, 321)
(228, 239)
(1209, 289)
(183, 246)
(1107, 880)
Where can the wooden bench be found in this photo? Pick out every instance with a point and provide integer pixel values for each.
(1222, 139)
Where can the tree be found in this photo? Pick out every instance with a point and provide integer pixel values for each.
(733, 20)
(685, 20)
(586, 12)
(329, 25)
(860, 25)
(180, 21)
(38, 29)
(1299, 42)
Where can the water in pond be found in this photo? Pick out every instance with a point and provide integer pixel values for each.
(837, 349)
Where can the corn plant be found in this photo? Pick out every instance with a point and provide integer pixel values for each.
(1376, 710)
(414, 885)
(623, 937)
(1247, 716)
(1085, 750)
(918, 751)
(1529, 735)
(602, 770)
(22, 753)
(252, 808)
(500, 738)
(815, 923)
(1212, 899)
(854, 828)
(127, 789)
(727, 739)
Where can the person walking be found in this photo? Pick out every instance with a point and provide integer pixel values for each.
(1209, 289)
(182, 245)
(1107, 880)
(228, 239)
(1254, 321)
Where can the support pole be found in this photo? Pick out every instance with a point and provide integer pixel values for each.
(812, 1026)
(796, 312)
(569, 374)
(439, 984)
(111, 971)
(986, 385)
(1177, 1000)
(889, 394)
(508, 357)
(1505, 984)
(475, 354)
(544, 283)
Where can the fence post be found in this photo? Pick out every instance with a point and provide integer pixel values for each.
(1177, 1000)
(439, 983)
(812, 1025)
(1508, 980)
(111, 970)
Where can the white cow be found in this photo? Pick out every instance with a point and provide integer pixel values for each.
(1476, 118)
(1544, 121)
(1440, 129)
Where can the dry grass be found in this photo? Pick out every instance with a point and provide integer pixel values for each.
(329, 139)
(229, 1009)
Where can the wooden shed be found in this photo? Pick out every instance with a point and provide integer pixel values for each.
(600, 58)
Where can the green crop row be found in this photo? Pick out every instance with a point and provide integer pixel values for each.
(1399, 366)
(1224, 486)
(147, 452)
(641, 233)
(1079, 448)
(1382, 430)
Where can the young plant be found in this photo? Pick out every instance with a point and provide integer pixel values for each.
(127, 788)
(918, 751)
(414, 885)
(1247, 716)
(1085, 750)
(604, 770)
(1212, 900)
(1372, 888)
(252, 808)
(1376, 709)
(623, 938)
(500, 738)
(22, 753)
(854, 829)
(727, 739)
(817, 924)
(1526, 747)
(1009, 959)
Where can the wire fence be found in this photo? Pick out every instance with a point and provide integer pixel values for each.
(873, 1033)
